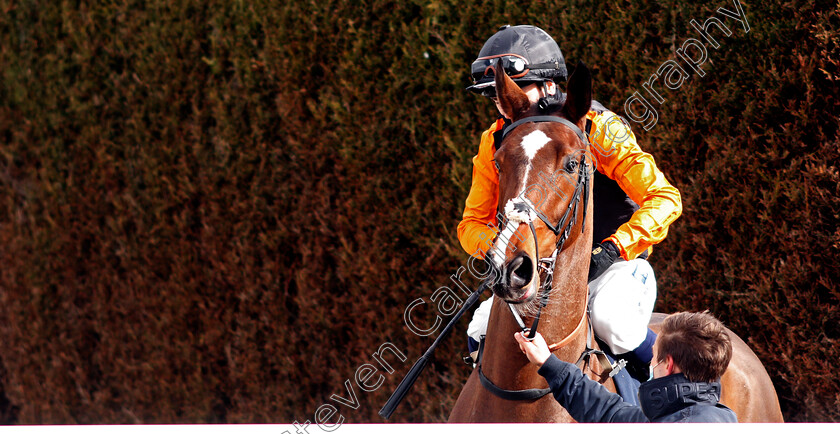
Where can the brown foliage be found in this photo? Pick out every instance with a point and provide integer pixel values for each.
(216, 211)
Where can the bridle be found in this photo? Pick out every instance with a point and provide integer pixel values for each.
(520, 210)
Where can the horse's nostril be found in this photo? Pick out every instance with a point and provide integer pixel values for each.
(520, 272)
(524, 270)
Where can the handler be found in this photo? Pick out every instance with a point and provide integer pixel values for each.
(633, 202)
(691, 354)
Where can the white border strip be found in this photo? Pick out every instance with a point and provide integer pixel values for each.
(390, 428)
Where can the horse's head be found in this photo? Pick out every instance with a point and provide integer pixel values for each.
(543, 168)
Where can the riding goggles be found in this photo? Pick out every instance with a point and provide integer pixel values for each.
(515, 66)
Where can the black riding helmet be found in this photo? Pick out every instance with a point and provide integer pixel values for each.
(528, 54)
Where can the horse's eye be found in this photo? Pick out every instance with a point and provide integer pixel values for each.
(571, 165)
(496, 163)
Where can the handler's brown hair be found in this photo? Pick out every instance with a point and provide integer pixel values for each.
(699, 344)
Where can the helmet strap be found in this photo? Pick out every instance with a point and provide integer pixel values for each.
(548, 100)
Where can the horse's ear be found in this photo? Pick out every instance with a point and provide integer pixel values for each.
(512, 99)
(579, 93)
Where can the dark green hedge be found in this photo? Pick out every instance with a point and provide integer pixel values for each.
(216, 211)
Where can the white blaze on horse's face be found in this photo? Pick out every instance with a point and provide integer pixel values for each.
(531, 144)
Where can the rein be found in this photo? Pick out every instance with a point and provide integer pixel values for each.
(521, 210)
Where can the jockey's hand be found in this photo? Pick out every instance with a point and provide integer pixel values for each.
(603, 255)
(536, 350)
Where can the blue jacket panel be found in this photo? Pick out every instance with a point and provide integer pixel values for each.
(667, 399)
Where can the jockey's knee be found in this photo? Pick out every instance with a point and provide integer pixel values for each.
(621, 303)
(478, 324)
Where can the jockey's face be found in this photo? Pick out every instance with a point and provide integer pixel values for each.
(534, 93)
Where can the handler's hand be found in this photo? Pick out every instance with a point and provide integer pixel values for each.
(536, 350)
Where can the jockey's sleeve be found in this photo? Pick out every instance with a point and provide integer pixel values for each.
(478, 225)
(620, 158)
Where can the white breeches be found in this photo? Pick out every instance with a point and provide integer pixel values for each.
(620, 305)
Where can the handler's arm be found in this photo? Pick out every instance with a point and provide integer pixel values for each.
(584, 399)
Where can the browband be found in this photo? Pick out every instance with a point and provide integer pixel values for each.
(557, 119)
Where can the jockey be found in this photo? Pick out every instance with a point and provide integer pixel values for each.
(633, 202)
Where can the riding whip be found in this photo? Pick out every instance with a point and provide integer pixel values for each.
(405, 385)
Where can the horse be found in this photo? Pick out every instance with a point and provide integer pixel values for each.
(505, 388)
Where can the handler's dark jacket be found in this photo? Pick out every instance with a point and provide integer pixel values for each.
(668, 399)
